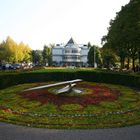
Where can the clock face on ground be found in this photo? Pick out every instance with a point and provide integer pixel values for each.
(91, 95)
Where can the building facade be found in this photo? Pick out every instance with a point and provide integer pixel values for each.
(70, 54)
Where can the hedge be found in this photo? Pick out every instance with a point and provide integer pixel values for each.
(8, 79)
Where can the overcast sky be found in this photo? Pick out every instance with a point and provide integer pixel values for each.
(39, 22)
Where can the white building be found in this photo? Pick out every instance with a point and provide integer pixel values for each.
(70, 54)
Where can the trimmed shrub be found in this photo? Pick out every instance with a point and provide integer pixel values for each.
(8, 79)
(109, 77)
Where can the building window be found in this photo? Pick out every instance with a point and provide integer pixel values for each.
(71, 57)
(71, 51)
(67, 51)
(74, 51)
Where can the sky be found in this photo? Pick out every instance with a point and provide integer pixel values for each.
(40, 22)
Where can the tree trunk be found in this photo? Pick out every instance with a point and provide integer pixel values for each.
(133, 64)
(108, 64)
(139, 57)
(122, 63)
(128, 63)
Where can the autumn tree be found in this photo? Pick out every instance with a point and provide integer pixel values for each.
(25, 51)
(12, 52)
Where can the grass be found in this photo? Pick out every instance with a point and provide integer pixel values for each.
(124, 111)
(64, 69)
(71, 107)
(46, 69)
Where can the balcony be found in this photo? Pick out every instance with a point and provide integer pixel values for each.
(71, 60)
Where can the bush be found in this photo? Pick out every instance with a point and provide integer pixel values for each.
(10, 79)
(109, 77)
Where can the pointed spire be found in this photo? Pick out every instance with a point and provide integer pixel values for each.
(71, 41)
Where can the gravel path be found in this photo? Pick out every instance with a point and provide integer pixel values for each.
(14, 132)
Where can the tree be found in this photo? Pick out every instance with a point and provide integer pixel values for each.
(2, 52)
(47, 55)
(124, 33)
(109, 58)
(37, 57)
(139, 56)
(25, 52)
(89, 45)
(12, 52)
(94, 56)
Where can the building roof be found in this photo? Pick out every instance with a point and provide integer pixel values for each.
(72, 44)
(71, 41)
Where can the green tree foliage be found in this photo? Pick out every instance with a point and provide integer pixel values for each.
(37, 58)
(124, 33)
(94, 56)
(47, 55)
(89, 45)
(109, 58)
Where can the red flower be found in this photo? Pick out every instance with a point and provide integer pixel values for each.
(98, 94)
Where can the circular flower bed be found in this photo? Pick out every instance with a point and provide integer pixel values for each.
(98, 106)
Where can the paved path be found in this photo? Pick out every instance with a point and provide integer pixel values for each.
(14, 132)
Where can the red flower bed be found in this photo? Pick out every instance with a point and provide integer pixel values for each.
(98, 94)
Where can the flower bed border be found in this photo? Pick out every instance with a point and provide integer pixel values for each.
(71, 115)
